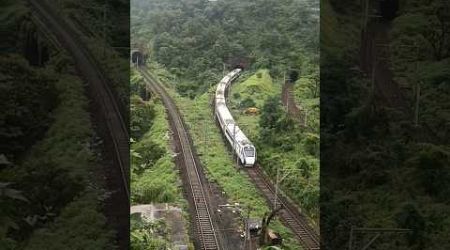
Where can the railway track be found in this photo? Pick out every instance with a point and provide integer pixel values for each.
(290, 216)
(204, 227)
(99, 85)
(287, 98)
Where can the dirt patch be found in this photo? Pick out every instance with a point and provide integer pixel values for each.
(172, 215)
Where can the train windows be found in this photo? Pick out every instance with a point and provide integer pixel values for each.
(249, 151)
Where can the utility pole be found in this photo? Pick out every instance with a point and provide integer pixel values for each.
(276, 189)
(416, 115)
(104, 29)
(287, 90)
(372, 81)
(416, 112)
(206, 132)
(234, 146)
(278, 180)
(305, 122)
(248, 230)
(223, 70)
(365, 5)
(316, 86)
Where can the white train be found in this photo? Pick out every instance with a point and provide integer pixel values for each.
(240, 144)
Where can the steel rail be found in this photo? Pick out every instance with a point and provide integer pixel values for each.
(90, 69)
(203, 219)
(290, 216)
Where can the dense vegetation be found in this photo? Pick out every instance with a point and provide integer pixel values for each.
(148, 235)
(154, 178)
(153, 175)
(50, 197)
(103, 26)
(282, 144)
(193, 39)
(191, 44)
(58, 197)
(378, 168)
(215, 156)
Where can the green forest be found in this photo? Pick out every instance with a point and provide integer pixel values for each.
(52, 188)
(154, 177)
(190, 45)
(196, 39)
(385, 160)
(282, 142)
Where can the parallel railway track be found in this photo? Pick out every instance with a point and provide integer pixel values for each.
(204, 226)
(99, 84)
(289, 215)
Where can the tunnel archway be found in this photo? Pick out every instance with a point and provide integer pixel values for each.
(388, 8)
(293, 76)
(137, 57)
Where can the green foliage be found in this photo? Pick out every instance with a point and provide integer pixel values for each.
(80, 226)
(142, 115)
(409, 217)
(46, 133)
(247, 103)
(55, 176)
(27, 97)
(13, 13)
(281, 143)
(219, 164)
(153, 175)
(254, 90)
(272, 114)
(430, 165)
(105, 38)
(214, 154)
(148, 235)
(398, 168)
(188, 44)
(193, 39)
(9, 197)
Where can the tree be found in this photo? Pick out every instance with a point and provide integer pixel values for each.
(265, 225)
(271, 113)
(248, 103)
(27, 96)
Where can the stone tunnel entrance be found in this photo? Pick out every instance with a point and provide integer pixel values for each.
(388, 8)
(137, 57)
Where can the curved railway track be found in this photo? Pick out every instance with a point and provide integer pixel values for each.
(204, 226)
(290, 216)
(99, 84)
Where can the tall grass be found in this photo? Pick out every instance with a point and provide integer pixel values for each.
(214, 155)
(298, 152)
(154, 178)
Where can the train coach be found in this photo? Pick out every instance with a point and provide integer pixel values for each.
(239, 143)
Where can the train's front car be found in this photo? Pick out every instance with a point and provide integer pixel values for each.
(249, 156)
